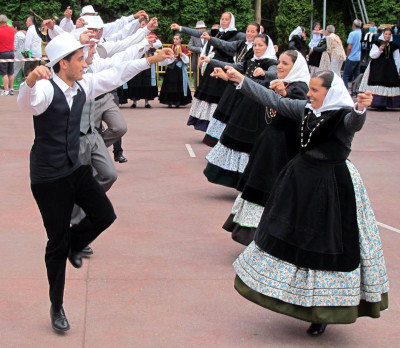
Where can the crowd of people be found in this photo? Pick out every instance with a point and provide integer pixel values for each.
(279, 135)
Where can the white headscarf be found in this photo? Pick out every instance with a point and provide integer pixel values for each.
(337, 97)
(269, 52)
(381, 37)
(298, 31)
(299, 71)
(231, 26)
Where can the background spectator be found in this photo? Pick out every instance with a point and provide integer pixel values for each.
(6, 52)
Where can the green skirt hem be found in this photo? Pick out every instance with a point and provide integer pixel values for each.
(320, 315)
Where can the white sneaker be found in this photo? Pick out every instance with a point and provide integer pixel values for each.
(4, 93)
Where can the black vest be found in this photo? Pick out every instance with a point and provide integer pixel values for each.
(55, 149)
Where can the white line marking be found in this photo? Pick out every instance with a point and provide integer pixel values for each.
(388, 227)
(190, 150)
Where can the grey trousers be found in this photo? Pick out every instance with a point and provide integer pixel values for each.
(93, 152)
(107, 111)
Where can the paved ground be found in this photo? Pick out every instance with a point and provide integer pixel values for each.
(161, 276)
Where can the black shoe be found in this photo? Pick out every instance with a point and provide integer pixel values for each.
(147, 106)
(59, 321)
(75, 258)
(381, 108)
(133, 106)
(87, 251)
(120, 159)
(169, 106)
(316, 329)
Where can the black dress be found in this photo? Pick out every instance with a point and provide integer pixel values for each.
(225, 105)
(277, 144)
(172, 89)
(246, 123)
(210, 90)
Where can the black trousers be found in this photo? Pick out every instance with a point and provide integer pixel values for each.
(55, 200)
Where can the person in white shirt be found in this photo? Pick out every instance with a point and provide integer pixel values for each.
(33, 44)
(58, 180)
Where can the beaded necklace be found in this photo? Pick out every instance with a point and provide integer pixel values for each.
(305, 122)
(241, 54)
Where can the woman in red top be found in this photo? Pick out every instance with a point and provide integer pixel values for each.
(6, 52)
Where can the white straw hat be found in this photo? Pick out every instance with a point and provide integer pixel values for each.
(88, 10)
(93, 22)
(200, 24)
(60, 47)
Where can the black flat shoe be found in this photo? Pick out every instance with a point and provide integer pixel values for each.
(147, 106)
(59, 321)
(87, 251)
(316, 329)
(75, 258)
(120, 159)
(133, 106)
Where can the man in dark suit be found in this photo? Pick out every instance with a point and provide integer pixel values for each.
(195, 45)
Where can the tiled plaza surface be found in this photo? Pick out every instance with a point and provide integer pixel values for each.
(161, 275)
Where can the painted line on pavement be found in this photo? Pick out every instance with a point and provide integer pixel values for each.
(388, 227)
(190, 150)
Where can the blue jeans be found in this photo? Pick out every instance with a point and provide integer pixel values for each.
(351, 71)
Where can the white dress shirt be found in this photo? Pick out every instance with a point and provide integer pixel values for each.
(109, 48)
(33, 42)
(37, 99)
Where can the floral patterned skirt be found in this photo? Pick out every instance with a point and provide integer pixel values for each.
(215, 128)
(383, 96)
(320, 296)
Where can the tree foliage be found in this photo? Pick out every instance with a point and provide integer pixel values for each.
(383, 12)
(184, 12)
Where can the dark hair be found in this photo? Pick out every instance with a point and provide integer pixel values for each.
(178, 34)
(387, 29)
(56, 67)
(316, 23)
(263, 37)
(17, 25)
(255, 24)
(326, 76)
(292, 54)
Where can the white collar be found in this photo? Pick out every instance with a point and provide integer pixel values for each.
(64, 87)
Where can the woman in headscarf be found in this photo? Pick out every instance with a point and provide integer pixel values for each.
(297, 40)
(317, 254)
(210, 90)
(276, 145)
(382, 74)
(243, 51)
(227, 160)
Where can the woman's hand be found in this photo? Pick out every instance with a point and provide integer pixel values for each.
(204, 59)
(279, 87)
(233, 75)
(364, 100)
(175, 26)
(205, 36)
(258, 72)
(219, 73)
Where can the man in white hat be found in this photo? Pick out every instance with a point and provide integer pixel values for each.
(195, 45)
(58, 180)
